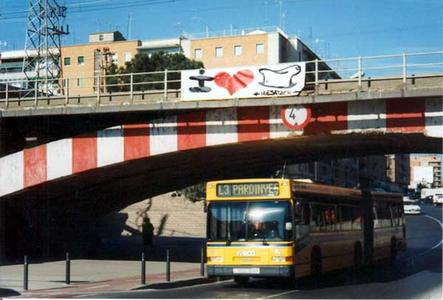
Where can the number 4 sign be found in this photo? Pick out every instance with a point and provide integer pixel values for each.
(295, 117)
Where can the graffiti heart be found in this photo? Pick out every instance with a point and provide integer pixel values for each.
(232, 84)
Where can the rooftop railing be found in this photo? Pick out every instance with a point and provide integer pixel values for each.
(164, 86)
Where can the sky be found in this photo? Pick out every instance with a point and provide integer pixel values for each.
(332, 28)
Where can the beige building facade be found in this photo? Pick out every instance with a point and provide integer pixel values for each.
(398, 170)
(84, 64)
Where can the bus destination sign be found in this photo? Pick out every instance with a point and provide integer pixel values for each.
(256, 189)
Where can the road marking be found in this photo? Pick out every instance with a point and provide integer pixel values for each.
(279, 294)
(435, 219)
(436, 245)
(441, 226)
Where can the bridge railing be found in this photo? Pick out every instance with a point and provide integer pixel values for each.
(161, 86)
(364, 68)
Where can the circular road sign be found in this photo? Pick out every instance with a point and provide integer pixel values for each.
(295, 117)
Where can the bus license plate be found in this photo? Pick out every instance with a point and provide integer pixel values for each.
(246, 270)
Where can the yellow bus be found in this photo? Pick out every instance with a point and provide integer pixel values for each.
(295, 228)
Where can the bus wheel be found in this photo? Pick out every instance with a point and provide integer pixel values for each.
(358, 258)
(241, 280)
(316, 263)
(393, 252)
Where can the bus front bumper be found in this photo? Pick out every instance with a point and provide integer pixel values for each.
(254, 271)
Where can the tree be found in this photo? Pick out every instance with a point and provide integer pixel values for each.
(142, 63)
(196, 192)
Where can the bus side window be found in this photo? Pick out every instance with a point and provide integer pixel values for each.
(339, 217)
(383, 214)
(333, 216)
(327, 217)
(302, 219)
(302, 212)
(375, 216)
(306, 213)
(356, 218)
(315, 217)
(346, 218)
(395, 215)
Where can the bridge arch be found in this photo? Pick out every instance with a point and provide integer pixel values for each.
(210, 129)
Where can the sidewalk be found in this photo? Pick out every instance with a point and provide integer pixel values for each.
(89, 277)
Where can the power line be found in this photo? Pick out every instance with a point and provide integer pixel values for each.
(89, 6)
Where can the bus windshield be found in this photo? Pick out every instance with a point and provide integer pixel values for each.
(249, 221)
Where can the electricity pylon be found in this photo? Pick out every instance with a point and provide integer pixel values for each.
(43, 45)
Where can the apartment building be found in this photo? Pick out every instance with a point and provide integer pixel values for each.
(398, 170)
(243, 47)
(11, 66)
(430, 163)
(83, 65)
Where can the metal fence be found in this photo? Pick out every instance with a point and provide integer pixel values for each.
(163, 84)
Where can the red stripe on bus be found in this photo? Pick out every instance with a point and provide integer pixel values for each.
(136, 141)
(35, 165)
(253, 123)
(327, 117)
(191, 130)
(406, 116)
(84, 152)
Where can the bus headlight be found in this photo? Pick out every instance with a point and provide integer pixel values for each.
(216, 259)
(279, 259)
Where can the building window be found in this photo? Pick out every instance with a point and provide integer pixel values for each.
(81, 60)
(198, 53)
(237, 50)
(67, 61)
(128, 56)
(115, 58)
(259, 48)
(80, 82)
(218, 51)
(100, 37)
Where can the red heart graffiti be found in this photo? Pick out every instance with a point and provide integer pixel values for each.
(232, 84)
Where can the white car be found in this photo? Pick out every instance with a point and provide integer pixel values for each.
(411, 208)
(437, 199)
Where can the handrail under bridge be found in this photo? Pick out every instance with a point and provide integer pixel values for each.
(348, 74)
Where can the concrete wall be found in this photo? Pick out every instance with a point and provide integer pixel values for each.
(171, 217)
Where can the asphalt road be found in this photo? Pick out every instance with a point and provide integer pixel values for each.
(417, 273)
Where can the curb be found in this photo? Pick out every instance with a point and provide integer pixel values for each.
(175, 284)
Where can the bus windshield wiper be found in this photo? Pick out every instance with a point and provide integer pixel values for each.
(228, 242)
(264, 241)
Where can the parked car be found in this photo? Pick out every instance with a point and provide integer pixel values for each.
(410, 207)
(437, 199)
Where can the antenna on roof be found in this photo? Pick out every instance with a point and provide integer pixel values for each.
(129, 25)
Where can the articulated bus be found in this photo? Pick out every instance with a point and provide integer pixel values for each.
(294, 228)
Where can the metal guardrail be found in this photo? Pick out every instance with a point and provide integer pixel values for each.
(163, 83)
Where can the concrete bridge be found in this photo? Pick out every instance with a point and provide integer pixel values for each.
(366, 127)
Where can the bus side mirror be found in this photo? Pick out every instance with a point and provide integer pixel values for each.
(288, 226)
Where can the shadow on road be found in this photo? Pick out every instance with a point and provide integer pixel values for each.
(8, 293)
(382, 272)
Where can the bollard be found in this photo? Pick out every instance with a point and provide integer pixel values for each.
(202, 262)
(168, 266)
(143, 271)
(25, 274)
(68, 269)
